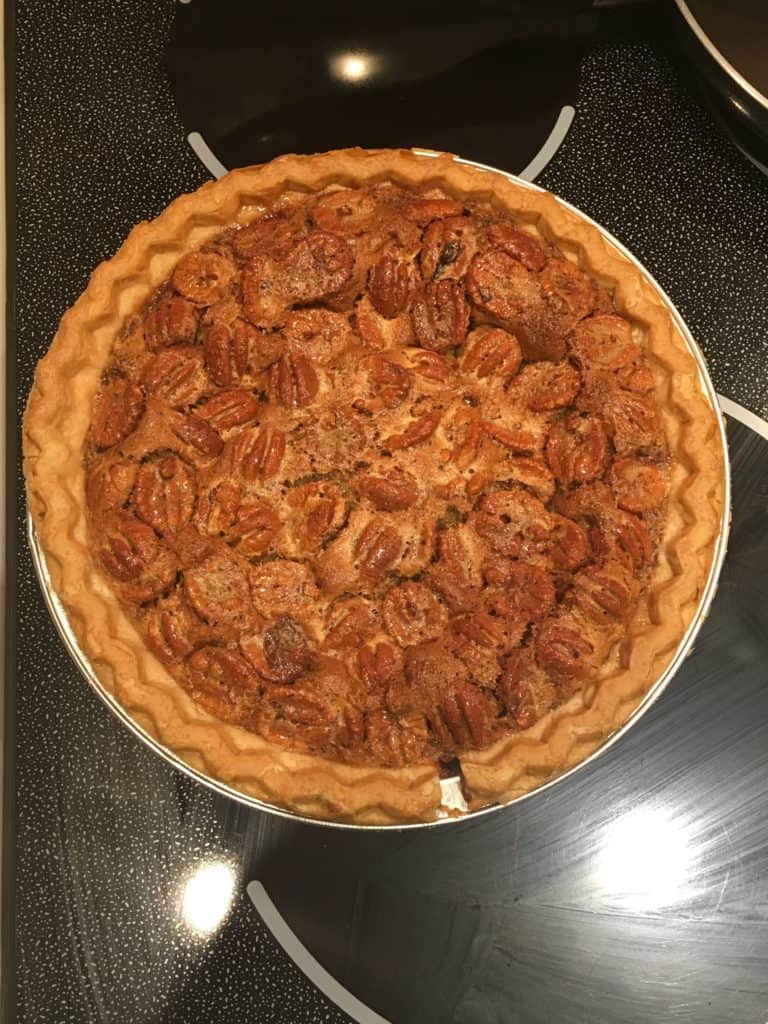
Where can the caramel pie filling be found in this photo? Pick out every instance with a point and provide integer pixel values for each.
(380, 476)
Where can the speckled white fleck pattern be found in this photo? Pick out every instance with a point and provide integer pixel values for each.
(649, 164)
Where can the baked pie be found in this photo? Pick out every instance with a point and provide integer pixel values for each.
(355, 469)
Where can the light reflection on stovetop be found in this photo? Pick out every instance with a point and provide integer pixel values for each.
(321, 83)
(629, 879)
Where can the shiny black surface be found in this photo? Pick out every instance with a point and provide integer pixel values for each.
(739, 31)
(635, 891)
(732, 67)
(497, 74)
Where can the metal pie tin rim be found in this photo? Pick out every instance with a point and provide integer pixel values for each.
(451, 789)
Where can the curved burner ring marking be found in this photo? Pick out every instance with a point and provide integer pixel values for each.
(553, 142)
(304, 960)
(738, 412)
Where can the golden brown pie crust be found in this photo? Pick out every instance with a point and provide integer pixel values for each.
(59, 414)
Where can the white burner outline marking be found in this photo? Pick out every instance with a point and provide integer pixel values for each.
(203, 151)
(749, 419)
(554, 141)
(306, 963)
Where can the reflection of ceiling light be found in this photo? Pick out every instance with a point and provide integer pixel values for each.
(645, 861)
(354, 67)
(207, 896)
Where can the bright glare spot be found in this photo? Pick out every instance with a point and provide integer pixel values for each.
(645, 860)
(207, 897)
(353, 67)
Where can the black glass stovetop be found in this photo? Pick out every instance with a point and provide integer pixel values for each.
(634, 891)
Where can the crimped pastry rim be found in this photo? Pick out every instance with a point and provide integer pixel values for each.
(245, 765)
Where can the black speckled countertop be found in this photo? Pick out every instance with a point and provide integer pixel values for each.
(636, 890)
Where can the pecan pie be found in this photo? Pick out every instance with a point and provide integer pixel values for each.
(351, 466)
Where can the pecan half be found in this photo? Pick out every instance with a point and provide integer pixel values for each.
(639, 486)
(229, 409)
(293, 381)
(425, 210)
(413, 614)
(321, 334)
(562, 650)
(255, 527)
(440, 315)
(319, 511)
(198, 434)
(173, 630)
(467, 433)
(349, 621)
(638, 376)
(419, 429)
(449, 244)
(117, 409)
(317, 267)
(286, 651)
(519, 244)
(265, 299)
(176, 375)
(605, 594)
(545, 386)
(164, 494)
(515, 440)
(388, 380)
(568, 290)
(604, 342)
(134, 556)
(463, 719)
(173, 321)
(513, 522)
(492, 352)
(344, 212)
(634, 422)
(273, 235)
(227, 349)
(568, 544)
(529, 588)
(379, 666)
(456, 574)
(622, 536)
(531, 473)
(300, 715)
(577, 449)
(204, 277)
(217, 509)
(390, 285)
(430, 365)
(390, 493)
(518, 687)
(481, 628)
(283, 587)
(217, 588)
(222, 681)
(395, 741)
(257, 454)
(377, 548)
(509, 294)
(500, 286)
(108, 484)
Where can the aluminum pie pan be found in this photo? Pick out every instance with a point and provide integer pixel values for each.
(453, 808)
